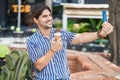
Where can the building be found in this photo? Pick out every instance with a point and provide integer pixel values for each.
(9, 10)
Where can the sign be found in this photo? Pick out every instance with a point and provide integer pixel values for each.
(24, 8)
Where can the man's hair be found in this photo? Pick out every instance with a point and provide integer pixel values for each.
(38, 9)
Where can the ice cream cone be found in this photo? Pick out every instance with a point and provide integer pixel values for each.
(57, 34)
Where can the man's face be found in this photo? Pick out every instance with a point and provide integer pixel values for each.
(45, 19)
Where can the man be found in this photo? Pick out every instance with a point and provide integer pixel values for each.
(49, 55)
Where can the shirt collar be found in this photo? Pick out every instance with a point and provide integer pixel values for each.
(39, 33)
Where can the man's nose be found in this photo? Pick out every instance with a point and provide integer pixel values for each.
(49, 18)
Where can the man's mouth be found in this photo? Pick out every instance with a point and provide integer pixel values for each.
(49, 22)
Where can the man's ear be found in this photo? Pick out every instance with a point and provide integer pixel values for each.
(35, 20)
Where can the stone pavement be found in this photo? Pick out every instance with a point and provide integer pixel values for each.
(16, 42)
(91, 66)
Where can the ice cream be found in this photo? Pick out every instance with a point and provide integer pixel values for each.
(57, 34)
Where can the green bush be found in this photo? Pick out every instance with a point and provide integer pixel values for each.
(4, 50)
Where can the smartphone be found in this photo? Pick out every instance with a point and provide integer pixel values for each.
(104, 16)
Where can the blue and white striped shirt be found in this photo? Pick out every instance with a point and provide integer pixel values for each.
(57, 68)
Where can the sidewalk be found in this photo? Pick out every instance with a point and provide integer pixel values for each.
(14, 41)
(91, 66)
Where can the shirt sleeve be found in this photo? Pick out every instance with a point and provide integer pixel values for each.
(33, 52)
(69, 36)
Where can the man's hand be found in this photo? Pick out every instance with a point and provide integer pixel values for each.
(56, 45)
(107, 28)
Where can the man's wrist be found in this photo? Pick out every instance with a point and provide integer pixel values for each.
(99, 35)
(52, 50)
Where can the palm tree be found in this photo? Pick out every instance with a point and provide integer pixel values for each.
(114, 19)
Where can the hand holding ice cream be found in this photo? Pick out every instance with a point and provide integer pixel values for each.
(56, 41)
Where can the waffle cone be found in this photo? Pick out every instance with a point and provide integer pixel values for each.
(57, 34)
(57, 37)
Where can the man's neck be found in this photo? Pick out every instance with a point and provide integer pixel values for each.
(45, 32)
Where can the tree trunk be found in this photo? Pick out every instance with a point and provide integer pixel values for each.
(114, 19)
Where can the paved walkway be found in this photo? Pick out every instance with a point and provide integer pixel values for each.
(91, 66)
(14, 41)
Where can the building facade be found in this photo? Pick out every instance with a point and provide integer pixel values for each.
(9, 10)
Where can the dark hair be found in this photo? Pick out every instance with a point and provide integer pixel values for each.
(38, 9)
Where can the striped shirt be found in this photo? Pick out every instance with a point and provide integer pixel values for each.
(57, 68)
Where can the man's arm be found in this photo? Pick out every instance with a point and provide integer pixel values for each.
(84, 37)
(44, 60)
(107, 28)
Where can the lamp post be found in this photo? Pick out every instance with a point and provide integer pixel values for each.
(19, 14)
(49, 3)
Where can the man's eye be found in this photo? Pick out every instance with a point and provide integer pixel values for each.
(45, 16)
(50, 15)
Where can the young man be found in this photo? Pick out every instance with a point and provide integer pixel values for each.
(49, 55)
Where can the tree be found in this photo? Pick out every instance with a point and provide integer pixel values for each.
(114, 19)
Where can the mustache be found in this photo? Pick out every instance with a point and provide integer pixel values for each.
(48, 21)
(47, 27)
